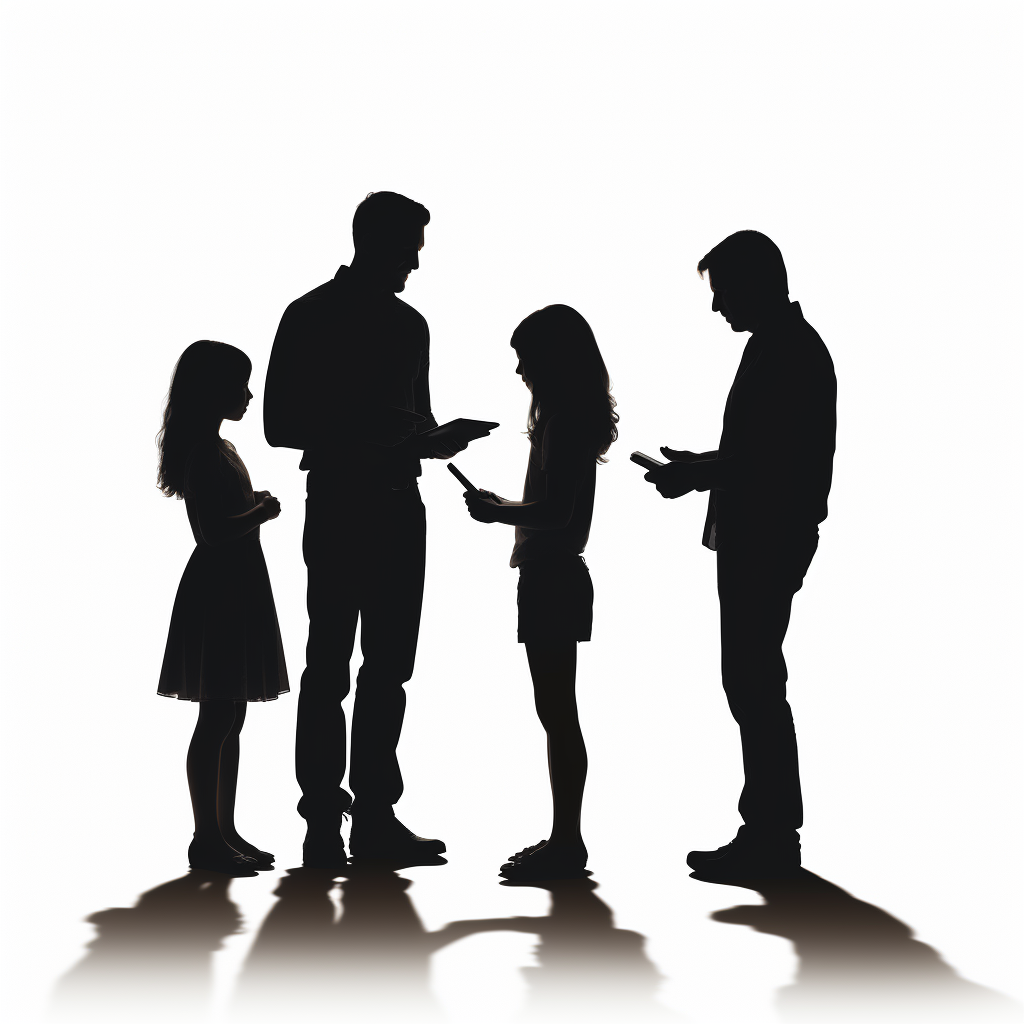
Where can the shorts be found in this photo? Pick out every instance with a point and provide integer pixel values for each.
(556, 600)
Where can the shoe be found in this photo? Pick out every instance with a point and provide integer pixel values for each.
(264, 860)
(526, 851)
(543, 861)
(782, 845)
(749, 856)
(225, 863)
(384, 837)
(323, 846)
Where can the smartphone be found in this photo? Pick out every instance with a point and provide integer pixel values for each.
(645, 460)
(453, 469)
(462, 480)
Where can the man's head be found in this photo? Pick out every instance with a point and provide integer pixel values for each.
(748, 277)
(388, 233)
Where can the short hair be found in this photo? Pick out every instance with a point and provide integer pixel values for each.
(384, 217)
(747, 260)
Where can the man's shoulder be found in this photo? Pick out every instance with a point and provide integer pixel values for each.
(322, 293)
(410, 313)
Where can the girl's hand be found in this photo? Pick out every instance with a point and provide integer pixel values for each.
(260, 495)
(482, 505)
(270, 505)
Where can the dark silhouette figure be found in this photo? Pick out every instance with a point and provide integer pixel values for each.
(857, 962)
(152, 961)
(769, 482)
(348, 384)
(571, 426)
(372, 954)
(223, 645)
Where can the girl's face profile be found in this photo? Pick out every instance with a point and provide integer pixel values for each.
(241, 397)
(521, 370)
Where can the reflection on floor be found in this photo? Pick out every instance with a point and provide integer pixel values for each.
(857, 963)
(370, 960)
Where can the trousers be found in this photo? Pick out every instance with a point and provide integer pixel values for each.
(756, 584)
(364, 549)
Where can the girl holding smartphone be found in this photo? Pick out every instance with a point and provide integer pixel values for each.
(571, 426)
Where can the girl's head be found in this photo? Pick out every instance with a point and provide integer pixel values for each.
(561, 364)
(210, 383)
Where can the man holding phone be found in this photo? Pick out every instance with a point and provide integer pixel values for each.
(769, 483)
(348, 384)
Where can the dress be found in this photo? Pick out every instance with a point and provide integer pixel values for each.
(223, 642)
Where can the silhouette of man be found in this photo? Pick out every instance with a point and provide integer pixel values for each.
(769, 483)
(348, 384)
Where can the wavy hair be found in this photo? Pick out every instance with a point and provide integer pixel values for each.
(201, 387)
(568, 375)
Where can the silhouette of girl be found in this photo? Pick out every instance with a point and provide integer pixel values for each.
(223, 645)
(571, 426)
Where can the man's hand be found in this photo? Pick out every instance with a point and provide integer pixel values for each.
(673, 480)
(482, 505)
(386, 425)
(673, 456)
(446, 449)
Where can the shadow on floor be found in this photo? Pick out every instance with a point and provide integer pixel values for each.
(370, 957)
(152, 961)
(858, 963)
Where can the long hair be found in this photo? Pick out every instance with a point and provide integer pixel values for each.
(568, 375)
(201, 390)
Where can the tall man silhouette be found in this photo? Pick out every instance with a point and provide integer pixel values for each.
(348, 384)
(769, 483)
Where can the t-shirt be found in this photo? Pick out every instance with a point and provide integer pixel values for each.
(778, 438)
(561, 448)
(343, 353)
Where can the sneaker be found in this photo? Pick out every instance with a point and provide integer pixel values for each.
(544, 862)
(384, 837)
(323, 846)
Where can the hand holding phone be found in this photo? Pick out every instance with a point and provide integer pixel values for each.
(645, 460)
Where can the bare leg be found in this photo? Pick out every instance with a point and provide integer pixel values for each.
(227, 784)
(553, 668)
(216, 719)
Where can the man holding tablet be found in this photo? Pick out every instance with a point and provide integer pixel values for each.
(769, 483)
(348, 384)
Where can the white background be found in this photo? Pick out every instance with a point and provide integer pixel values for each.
(183, 171)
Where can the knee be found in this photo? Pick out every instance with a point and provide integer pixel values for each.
(321, 691)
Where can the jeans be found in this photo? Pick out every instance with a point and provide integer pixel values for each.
(756, 584)
(364, 548)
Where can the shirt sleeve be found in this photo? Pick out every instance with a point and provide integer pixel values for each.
(421, 386)
(564, 448)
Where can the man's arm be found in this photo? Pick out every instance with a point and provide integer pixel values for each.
(285, 413)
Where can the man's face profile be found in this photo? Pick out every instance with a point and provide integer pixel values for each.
(725, 302)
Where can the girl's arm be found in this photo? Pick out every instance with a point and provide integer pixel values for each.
(552, 512)
(217, 528)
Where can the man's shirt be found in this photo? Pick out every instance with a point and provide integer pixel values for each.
(342, 354)
(778, 438)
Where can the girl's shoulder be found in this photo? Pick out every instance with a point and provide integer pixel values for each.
(205, 465)
(566, 442)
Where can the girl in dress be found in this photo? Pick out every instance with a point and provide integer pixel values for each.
(571, 426)
(223, 646)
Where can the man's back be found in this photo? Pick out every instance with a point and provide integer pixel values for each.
(779, 432)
